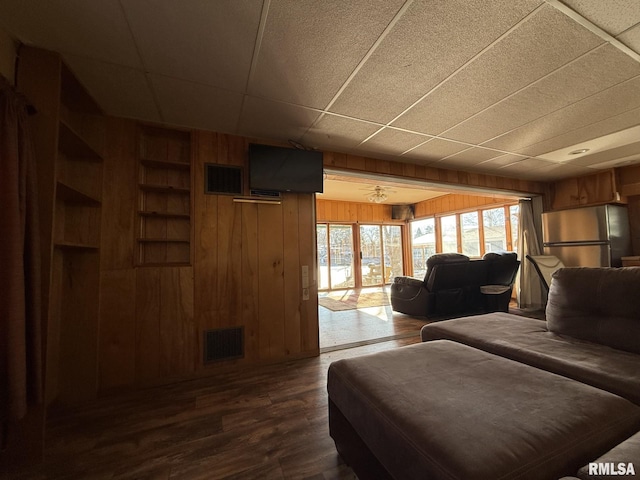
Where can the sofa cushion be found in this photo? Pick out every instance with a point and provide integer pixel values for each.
(601, 305)
(527, 340)
(618, 459)
(442, 410)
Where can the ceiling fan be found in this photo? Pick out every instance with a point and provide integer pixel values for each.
(378, 194)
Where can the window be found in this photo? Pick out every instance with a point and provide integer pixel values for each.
(449, 233)
(423, 244)
(470, 233)
(514, 216)
(495, 233)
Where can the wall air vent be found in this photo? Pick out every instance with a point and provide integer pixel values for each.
(223, 179)
(223, 344)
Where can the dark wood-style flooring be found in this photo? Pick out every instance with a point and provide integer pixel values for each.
(268, 422)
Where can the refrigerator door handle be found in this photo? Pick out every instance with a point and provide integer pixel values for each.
(575, 244)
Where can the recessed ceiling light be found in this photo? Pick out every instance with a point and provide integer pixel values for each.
(578, 152)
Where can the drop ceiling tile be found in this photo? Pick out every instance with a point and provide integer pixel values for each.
(413, 58)
(90, 29)
(275, 120)
(199, 40)
(551, 171)
(608, 156)
(596, 116)
(333, 131)
(605, 67)
(435, 150)
(578, 80)
(120, 91)
(613, 16)
(196, 105)
(631, 38)
(310, 48)
(392, 141)
(543, 43)
(529, 164)
(471, 157)
(502, 161)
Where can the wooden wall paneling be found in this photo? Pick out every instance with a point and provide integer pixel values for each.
(79, 327)
(119, 196)
(439, 175)
(292, 274)
(229, 250)
(147, 327)
(178, 332)
(53, 334)
(309, 334)
(629, 178)
(271, 275)
(206, 238)
(250, 286)
(117, 341)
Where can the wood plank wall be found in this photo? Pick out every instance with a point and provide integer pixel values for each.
(456, 202)
(353, 163)
(246, 272)
(353, 212)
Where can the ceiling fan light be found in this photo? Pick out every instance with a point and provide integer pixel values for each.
(377, 197)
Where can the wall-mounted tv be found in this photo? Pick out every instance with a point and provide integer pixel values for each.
(282, 169)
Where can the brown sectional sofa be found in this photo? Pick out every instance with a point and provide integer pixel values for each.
(501, 396)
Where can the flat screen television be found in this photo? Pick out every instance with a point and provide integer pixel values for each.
(281, 169)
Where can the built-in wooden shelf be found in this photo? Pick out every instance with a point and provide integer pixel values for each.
(185, 216)
(73, 145)
(75, 246)
(164, 189)
(164, 208)
(164, 164)
(164, 240)
(68, 193)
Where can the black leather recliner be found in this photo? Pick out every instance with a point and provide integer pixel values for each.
(455, 285)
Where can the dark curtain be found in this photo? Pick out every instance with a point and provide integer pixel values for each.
(20, 287)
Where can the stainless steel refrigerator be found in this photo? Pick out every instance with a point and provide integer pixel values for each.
(589, 236)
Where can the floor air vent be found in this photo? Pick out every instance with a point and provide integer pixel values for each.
(223, 344)
(223, 179)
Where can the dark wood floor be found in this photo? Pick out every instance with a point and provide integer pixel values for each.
(261, 423)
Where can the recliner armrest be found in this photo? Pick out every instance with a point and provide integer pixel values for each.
(410, 281)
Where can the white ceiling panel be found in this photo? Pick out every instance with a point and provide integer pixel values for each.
(501, 161)
(435, 150)
(545, 41)
(275, 120)
(391, 140)
(613, 16)
(94, 29)
(471, 157)
(120, 91)
(631, 38)
(310, 48)
(196, 105)
(593, 117)
(197, 40)
(577, 81)
(607, 67)
(424, 47)
(332, 131)
(445, 82)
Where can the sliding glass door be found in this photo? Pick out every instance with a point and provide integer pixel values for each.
(335, 256)
(377, 261)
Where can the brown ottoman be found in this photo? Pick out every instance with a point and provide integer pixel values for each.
(442, 410)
